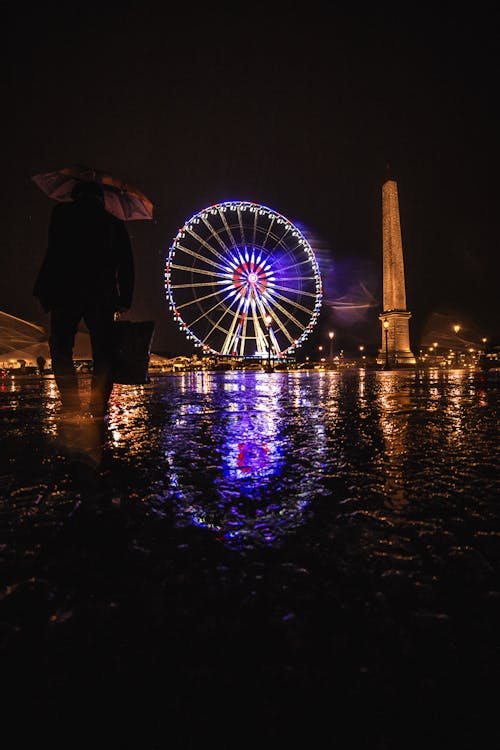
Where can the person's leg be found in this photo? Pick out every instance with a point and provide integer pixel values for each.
(63, 327)
(100, 324)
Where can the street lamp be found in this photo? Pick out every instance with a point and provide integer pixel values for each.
(435, 352)
(386, 328)
(456, 328)
(269, 321)
(330, 336)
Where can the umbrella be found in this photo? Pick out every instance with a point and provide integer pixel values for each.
(121, 199)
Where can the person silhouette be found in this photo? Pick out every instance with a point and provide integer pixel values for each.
(40, 361)
(87, 274)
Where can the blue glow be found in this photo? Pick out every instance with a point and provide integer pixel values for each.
(259, 488)
(280, 283)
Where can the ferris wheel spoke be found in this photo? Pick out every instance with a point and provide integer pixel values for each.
(203, 258)
(203, 271)
(281, 288)
(231, 340)
(240, 222)
(243, 333)
(228, 346)
(206, 244)
(197, 300)
(284, 330)
(259, 333)
(240, 334)
(291, 249)
(296, 265)
(276, 305)
(276, 295)
(259, 330)
(266, 238)
(280, 240)
(215, 234)
(279, 323)
(254, 232)
(287, 314)
(210, 310)
(199, 284)
(275, 340)
(296, 277)
(211, 284)
(275, 238)
(265, 310)
(228, 230)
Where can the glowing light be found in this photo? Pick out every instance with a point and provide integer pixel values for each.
(238, 263)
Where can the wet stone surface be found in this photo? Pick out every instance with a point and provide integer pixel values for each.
(252, 559)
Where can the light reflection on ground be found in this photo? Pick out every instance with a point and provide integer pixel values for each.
(280, 545)
(247, 455)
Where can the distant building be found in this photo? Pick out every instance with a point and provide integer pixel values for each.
(21, 342)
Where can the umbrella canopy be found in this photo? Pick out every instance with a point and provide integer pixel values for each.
(121, 199)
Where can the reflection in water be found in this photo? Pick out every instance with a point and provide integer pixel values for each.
(128, 422)
(248, 455)
(50, 395)
(395, 410)
(237, 432)
(363, 539)
(251, 448)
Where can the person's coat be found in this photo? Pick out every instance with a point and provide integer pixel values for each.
(88, 261)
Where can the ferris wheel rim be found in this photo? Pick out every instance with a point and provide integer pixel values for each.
(248, 280)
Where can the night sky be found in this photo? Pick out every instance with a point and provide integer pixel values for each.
(301, 111)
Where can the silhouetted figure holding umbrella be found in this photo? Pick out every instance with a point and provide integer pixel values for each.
(87, 274)
(41, 364)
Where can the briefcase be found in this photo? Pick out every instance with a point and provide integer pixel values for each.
(131, 351)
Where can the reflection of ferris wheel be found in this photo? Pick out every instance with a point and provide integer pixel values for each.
(241, 278)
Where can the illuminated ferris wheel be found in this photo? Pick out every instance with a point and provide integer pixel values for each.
(243, 280)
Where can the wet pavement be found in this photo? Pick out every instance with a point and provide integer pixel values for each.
(253, 560)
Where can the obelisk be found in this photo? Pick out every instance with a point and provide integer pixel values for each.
(395, 349)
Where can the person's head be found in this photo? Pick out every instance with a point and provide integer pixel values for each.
(87, 190)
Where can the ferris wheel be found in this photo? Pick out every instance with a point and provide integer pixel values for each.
(242, 280)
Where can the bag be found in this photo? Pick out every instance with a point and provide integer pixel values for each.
(131, 351)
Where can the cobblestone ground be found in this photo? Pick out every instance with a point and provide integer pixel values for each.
(252, 560)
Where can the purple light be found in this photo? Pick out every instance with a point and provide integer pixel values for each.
(236, 263)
